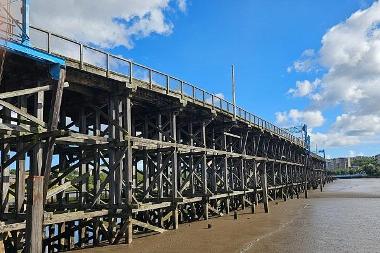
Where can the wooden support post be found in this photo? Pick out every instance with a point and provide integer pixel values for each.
(206, 209)
(159, 158)
(274, 180)
(226, 186)
(96, 170)
(70, 235)
(34, 214)
(173, 123)
(54, 113)
(214, 184)
(62, 165)
(5, 173)
(204, 160)
(191, 160)
(175, 217)
(253, 207)
(112, 152)
(83, 167)
(146, 168)
(255, 184)
(286, 182)
(282, 182)
(20, 166)
(36, 159)
(119, 137)
(174, 177)
(96, 229)
(306, 181)
(226, 174)
(127, 112)
(62, 240)
(264, 186)
(296, 169)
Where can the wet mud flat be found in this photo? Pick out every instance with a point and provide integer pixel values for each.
(343, 218)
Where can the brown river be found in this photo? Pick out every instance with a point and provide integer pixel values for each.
(343, 218)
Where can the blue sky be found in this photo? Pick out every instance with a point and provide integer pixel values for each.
(199, 40)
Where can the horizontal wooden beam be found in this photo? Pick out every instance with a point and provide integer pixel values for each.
(148, 226)
(29, 91)
(22, 113)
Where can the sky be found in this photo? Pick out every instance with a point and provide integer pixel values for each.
(297, 61)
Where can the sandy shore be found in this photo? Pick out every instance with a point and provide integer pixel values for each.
(333, 221)
(226, 234)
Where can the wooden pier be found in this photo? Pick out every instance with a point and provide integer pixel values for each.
(114, 149)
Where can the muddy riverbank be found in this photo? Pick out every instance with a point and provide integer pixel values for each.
(344, 218)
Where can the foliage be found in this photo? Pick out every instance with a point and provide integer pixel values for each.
(361, 165)
(361, 161)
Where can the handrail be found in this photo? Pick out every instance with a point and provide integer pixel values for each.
(132, 72)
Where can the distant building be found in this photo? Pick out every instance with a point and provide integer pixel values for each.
(338, 163)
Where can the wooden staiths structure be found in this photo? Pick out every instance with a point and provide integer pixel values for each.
(100, 149)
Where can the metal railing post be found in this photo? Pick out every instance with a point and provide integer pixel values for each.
(48, 42)
(181, 89)
(167, 84)
(108, 65)
(81, 56)
(130, 72)
(150, 79)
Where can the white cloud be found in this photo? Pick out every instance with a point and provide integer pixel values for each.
(353, 153)
(106, 24)
(304, 88)
(350, 56)
(182, 5)
(349, 130)
(296, 117)
(332, 139)
(353, 125)
(306, 63)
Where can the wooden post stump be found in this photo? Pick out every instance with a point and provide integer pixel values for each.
(34, 214)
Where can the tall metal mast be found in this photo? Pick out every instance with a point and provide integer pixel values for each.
(25, 21)
(233, 89)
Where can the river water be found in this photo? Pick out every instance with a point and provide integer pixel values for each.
(345, 218)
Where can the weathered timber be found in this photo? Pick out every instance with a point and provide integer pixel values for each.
(122, 155)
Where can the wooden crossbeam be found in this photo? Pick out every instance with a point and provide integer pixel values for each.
(148, 226)
(17, 155)
(247, 201)
(29, 91)
(34, 137)
(122, 231)
(112, 122)
(216, 211)
(165, 163)
(167, 216)
(13, 129)
(22, 113)
(66, 185)
(69, 170)
(103, 185)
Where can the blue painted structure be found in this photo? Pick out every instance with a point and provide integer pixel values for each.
(25, 22)
(24, 48)
(55, 63)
